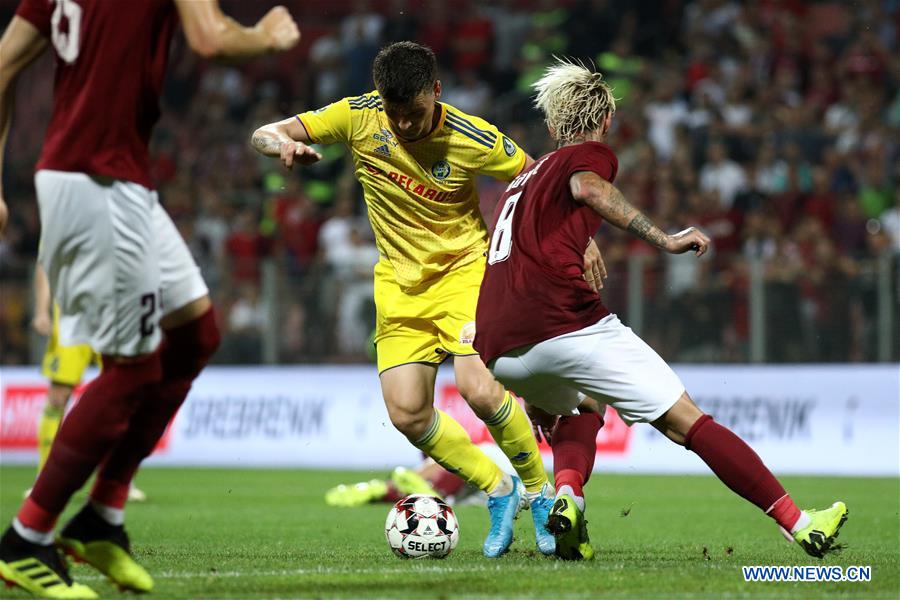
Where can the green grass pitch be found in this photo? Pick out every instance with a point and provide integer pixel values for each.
(207, 533)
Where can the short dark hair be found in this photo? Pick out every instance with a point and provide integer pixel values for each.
(404, 70)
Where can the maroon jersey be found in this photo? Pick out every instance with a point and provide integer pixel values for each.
(533, 287)
(110, 63)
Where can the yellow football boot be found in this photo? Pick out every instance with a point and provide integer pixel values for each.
(89, 539)
(409, 482)
(357, 494)
(38, 569)
(568, 525)
(818, 537)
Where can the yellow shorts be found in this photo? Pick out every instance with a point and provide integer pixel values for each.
(66, 364)
(429, 325)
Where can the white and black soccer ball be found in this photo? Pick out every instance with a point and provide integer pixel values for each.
(421, 526)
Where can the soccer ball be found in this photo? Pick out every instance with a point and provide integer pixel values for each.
(421, 526)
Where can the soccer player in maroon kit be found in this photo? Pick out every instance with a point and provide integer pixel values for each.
(124, 279)
(570, 349)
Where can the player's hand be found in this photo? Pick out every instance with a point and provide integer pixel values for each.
(298, 152)
(4, 215)
(542, 423)
(41, 324)
(281, 28)
(594, 269)
(689, 239)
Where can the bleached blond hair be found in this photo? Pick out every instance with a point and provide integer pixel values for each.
(575, 99)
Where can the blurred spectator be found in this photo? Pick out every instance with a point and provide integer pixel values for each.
(246, 324)
(360, 39)
(352, 263)
(298, 226)
(722, 175)
(469, 94)
(664, 113)
(327, 61)
(473, 36)
(244, 247)
(890, 221)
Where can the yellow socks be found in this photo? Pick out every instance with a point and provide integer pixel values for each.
(47, 429)
(452, 448)
(512, 432)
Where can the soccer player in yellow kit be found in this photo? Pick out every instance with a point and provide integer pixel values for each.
(417, 160)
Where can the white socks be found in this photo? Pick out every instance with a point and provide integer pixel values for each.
(567, 490)
(33, 535)
(802, 522)
(546, 491)
(504, 488)
(113, 516)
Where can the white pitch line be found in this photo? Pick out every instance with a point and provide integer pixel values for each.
(413, 568)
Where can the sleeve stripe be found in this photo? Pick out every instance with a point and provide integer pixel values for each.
(371, 102)
(488, 135)
(367, 102)
(469, 135)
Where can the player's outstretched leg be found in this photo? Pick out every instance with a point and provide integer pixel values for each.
(511, 429)
(96, 536)
(86, 435)
(357, 494)
(741, 469)
(574, 444)
(429, 478)
(184, 352)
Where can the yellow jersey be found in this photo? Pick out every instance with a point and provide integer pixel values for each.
(421, 196)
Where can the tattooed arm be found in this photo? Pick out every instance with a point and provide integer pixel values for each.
(608, 202)
(287, 140)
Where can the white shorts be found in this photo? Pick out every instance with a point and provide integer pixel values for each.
(114, 259)
(605, 361)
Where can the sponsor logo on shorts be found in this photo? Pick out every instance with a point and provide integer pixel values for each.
(441, 170)
(508, 146)
(467, 333)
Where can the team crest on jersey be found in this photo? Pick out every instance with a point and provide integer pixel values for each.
(508, 146)
(441, 170)
(467, 333)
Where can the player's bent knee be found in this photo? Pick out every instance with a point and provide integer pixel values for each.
(483, 396)
(209, 342)
(681, 420)
(411, 424)
(188, 348)
(186, 314)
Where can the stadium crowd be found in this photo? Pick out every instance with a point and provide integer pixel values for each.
(771, 124)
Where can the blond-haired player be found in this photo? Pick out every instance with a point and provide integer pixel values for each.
(63, 367)
(573, 346)
(417, 160)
